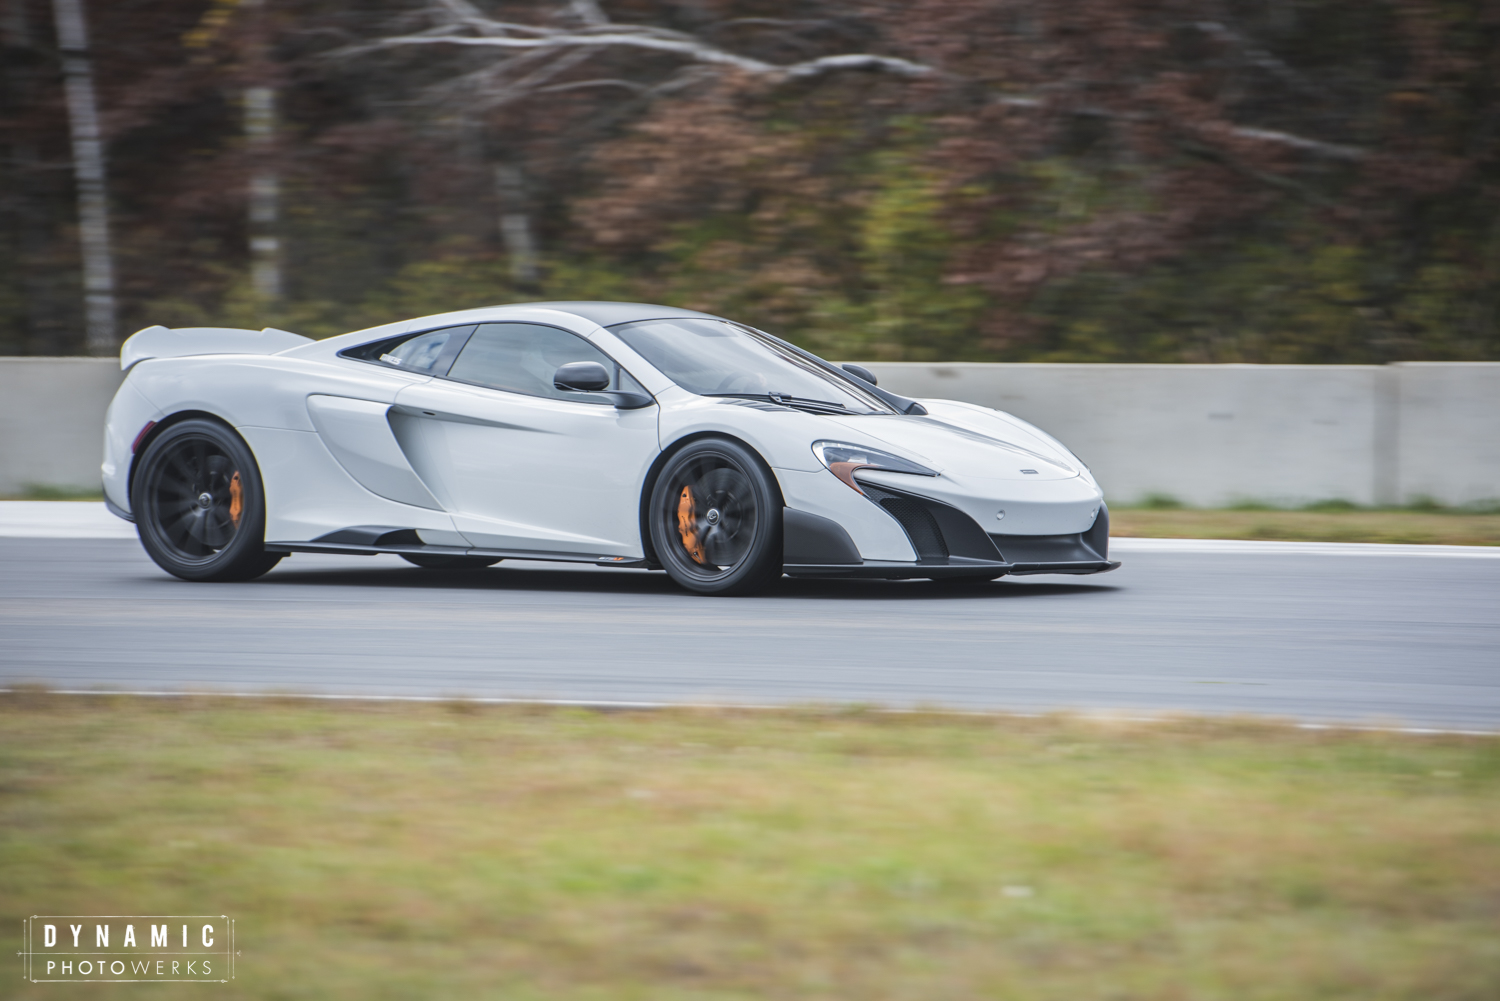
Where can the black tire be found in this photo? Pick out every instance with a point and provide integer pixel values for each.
(200, 505)
(448, 561)
(715, 519)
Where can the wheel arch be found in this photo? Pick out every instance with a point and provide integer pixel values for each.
(665, 456)
(166, 422)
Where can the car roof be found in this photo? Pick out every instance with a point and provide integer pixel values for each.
(607, 314)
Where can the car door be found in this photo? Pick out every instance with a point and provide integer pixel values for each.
(522, 464)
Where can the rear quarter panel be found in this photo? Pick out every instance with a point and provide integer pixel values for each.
(307, 492)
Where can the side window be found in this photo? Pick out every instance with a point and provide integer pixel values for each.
(429, 353)
(523, 357)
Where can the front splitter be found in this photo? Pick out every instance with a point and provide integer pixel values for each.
(941, 569)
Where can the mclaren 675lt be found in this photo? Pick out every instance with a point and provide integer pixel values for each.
(614, 434)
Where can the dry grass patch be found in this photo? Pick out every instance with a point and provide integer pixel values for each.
(392, 851)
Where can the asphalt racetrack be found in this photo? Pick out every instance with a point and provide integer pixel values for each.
(1320, 634)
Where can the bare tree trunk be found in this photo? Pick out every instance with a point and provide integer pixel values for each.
(88, 169)
(265, 194)
(515, 227)
(265, 182)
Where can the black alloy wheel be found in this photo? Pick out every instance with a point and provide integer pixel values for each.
(449, 561)
(199, 504)
(715, 519)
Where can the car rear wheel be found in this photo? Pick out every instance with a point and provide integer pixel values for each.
(445, 561)
(199, 504)
(715, 519)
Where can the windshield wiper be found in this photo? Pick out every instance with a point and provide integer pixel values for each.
(813, 406)
(901, 404)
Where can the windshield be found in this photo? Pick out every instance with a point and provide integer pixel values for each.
(718, 358)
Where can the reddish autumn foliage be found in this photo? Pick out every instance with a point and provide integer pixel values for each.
(1312, 180)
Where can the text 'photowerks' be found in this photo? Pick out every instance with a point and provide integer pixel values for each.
(132, 947)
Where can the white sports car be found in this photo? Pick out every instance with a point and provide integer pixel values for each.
(616, 434)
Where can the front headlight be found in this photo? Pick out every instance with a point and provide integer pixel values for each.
(843, 459)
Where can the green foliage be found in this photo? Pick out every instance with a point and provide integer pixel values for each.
(866, 276)
(1159, 502)
(910, 313)
(861, 275)
(1423, 503)
(1295, 296)
(50, 492)
(1331, 505)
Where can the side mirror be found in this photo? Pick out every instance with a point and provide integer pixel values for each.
(592, 377)
(582, 376)
(860, 372)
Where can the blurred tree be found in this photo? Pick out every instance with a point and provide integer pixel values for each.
(1179, 180)
(35, 264)
(89, 175)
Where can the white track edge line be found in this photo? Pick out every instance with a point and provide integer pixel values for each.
(1123, 544)
(1097, 714)
(1133, 544)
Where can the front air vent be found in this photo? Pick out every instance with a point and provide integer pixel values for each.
(921, 526)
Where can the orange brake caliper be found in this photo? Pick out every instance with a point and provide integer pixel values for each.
(236, 499)
(687, 524)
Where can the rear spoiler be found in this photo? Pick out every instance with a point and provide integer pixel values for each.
(159, 342)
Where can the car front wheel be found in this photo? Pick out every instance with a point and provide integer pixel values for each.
(715, 519)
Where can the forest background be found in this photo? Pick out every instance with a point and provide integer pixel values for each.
(1289, 181)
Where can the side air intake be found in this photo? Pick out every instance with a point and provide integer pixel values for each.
(921, 527)
(937, 531)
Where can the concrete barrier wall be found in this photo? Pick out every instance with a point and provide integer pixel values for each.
(1448, 431)
(1211, 435)
(52, 420)
(1205, 434)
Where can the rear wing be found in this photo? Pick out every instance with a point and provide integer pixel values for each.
(159, 342)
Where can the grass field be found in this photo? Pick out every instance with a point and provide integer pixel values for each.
(42, 492)
(453, 851)
(1443, 527)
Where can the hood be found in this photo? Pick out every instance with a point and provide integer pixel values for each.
(970, 442)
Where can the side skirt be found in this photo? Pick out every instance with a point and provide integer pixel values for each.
(346, 549)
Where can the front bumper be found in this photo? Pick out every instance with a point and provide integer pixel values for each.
(947, 542)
